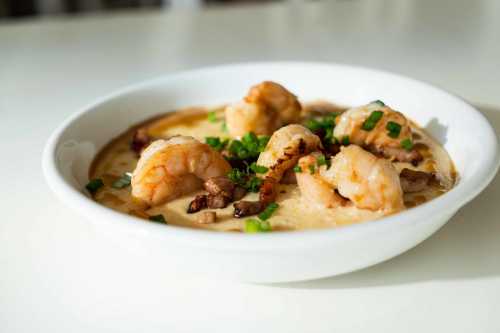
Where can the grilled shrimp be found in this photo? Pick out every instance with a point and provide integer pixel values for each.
(267, 107)
(316, 183)
(171, 168)
(364, 129)
(369, 182)
(284, 149)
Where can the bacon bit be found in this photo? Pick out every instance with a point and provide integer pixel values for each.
(289, 177)
(414, 181)
(219, 186)
(238, 193)
(207, 217)
(247, 208)
(217, 201)
(268, 193)
(140, 140)
(198, 203)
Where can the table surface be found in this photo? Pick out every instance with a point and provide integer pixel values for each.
(59, 275)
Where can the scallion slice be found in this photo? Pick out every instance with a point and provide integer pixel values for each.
(297, 169)
(123, 181)
(407, 144)
(268, 211)
(372, 120)
(379, 102)
(94, 185)
(157, 218)
(255, 226)
(393, 129)
(258, 168)
(212, 117)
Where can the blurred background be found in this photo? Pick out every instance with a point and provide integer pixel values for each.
(12, 9)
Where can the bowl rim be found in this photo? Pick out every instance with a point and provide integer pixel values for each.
(447, 203)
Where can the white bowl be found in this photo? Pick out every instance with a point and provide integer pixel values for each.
(275, 256)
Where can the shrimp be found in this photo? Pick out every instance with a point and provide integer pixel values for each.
(316, 183)
(267, 107)
(168, 169)
(378, 139)
(369, 182)
(284, 149)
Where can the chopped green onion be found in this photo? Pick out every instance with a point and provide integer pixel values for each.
(297, 169)
(123, 181)
(268, 211)
(312, 169)
(407, 144)
(313, 125)
(258, 168)
(345, 140)
(223, 127)
(157, 218)
(249, 147)
(237, 176)
(265, 226)
(393, 129)
(253, 184)
(212, 117)
(216, 143)
(255, 226)
(329, 138)
(94, 185)
(372, 120)
(379, 102)
(252, 226)
(263, 140)
(322, 160)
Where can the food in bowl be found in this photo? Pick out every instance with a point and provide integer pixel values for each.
(271, 163)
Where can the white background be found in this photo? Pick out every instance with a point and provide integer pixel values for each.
(57, 274)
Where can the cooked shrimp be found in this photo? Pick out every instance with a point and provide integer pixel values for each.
(285, 147)
(316, 182)
(267, 107)
(171, 168)
(378, 138)
(369, 182)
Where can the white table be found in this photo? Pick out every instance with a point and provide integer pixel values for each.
(59, 275)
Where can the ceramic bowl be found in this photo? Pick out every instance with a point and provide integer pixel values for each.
(276, 256)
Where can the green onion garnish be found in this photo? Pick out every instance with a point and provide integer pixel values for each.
(372, 120)
(253, 184)
(258, 168)
(249, 147)
(237, 176)
(407, 144)
(255, 226)
(322, 160)
(158, 218)
(212, 117)
(312, 169)
(223, 127)
(393, 129)
(123, 181)
(94, 185)
(379, 102)
(313, 125)
(345, 140)
(216, 143)
(263, 140)
(297, 169)
(268, 211)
